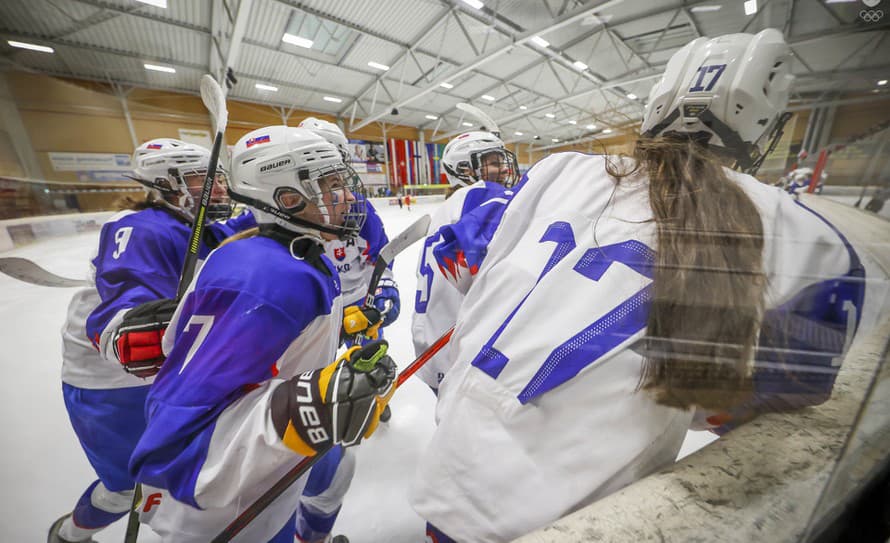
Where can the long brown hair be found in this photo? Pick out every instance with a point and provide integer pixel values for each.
(708, 287)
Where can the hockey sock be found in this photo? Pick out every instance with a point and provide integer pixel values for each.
(97, 508)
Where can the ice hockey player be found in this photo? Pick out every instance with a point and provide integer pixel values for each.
(139, 259)
(614, 296)
(480, 170)
(354, 259)
(251, 384)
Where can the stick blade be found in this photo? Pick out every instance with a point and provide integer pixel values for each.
(215, 101)
(29, 272)
(487, 122)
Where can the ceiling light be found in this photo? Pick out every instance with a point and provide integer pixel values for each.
(579, 65)
(523, 107)
(573, 122)
(591, 127)
(30, 46)
(263, 86)
(296, 40)
(332, 99)
(607, 131)
(475, 4)
(631, 96)
(489, 98)
(555, 140)
(550, 115)
(700, 9)
(156, 68)
(518, 134)
(468, 124)
(377, 65)
(446, 85)
(431, 117)
(538, 40)
(840, 1)
(750, 7)
(882, 82)
(156, 3)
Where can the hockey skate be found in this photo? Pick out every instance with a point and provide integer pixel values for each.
(54, 536)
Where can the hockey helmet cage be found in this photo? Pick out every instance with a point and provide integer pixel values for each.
(278, 170)
(465, 159)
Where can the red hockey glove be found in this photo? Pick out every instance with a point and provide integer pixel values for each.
(137, 341)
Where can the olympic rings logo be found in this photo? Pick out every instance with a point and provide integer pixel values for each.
(871, 15)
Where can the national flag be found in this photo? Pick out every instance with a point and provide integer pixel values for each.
(257, 140)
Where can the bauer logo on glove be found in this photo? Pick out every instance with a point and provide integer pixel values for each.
(137, 341)
(337, 405)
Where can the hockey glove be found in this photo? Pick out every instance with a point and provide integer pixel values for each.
(360, 321)
(386, 300)
(137, 341)
(337, 405)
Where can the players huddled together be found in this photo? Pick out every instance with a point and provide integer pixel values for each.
(601, 306)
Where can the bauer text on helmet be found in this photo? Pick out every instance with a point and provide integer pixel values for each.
(173, 171)
(296, 179)
(729, 92)
(479, 156)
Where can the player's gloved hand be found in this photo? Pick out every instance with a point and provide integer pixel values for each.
(137, 341)
(386, 300)
(360, 321)
(337, 405)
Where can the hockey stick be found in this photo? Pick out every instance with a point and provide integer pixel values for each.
(406, 238)
(487, 122)
(215, 101)
(236, 526)
(29, 272)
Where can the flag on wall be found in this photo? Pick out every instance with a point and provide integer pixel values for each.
(405, 157)
(434, 153)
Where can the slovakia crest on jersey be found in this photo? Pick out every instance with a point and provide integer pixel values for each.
(257, 140)
(340, 252)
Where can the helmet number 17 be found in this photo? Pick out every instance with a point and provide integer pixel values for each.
(716, 69)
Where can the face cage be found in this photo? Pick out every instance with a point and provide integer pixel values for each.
(219, 206)
(477, 161)
(324, 187)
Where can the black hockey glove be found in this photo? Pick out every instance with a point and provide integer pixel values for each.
(137, 341)
(337, 405)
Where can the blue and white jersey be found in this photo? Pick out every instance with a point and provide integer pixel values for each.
(436, 302)
(254, 316)
(355, 258)
(138, 259)
(540, 413)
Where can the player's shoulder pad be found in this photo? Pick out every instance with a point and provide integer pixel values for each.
(265, 269)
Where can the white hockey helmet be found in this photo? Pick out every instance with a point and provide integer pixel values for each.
(329, 131)
(472, 156)
(278, 170)
(729, 92)
(173, 171)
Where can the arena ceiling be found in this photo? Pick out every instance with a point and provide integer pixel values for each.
(547, 71)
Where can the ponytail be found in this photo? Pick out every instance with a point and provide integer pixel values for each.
(708, 288)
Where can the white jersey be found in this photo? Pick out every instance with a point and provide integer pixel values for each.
(437, 301)
(355, 258)
(539, 414)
